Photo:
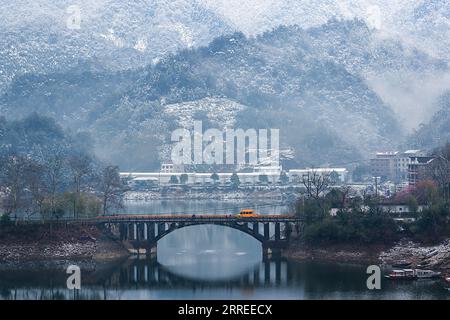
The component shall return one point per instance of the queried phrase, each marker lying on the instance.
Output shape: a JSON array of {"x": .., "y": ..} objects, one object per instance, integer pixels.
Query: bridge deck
[{"x": 195, "y": 218}]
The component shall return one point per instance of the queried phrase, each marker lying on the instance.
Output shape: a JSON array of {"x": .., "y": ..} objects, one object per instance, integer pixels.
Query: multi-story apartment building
[
  {"x": 402, "y": 163},
  {"x": 418, "y": 169},
  {"x": 394, "y": 165},
  {"x": 384, "y": 165}
]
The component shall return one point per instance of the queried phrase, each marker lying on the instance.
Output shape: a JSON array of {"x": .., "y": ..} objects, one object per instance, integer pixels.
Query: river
[{"x": 212, "y": 262}]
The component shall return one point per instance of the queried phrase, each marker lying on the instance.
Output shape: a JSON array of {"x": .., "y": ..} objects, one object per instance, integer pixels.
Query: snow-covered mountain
[
  {"x": 135, "y": 70},
  {"x": 40, "y": 36},
  {"x": 289, "y": 78},
  {"x": 422, "y": 23},
  {"x": 436, "y": 132},
  {"x": 115, "y": 35}
]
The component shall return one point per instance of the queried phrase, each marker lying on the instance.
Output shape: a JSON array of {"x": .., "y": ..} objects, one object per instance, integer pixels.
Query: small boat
[
  {"x": 413, "y": 274},
  {"x": 401, "y": 274},
  {"x": 426, "y": 274}
]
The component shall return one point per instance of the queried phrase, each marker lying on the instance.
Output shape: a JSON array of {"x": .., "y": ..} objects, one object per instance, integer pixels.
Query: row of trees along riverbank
[
  {"x": 361, "y": 219},
  {"x": 48, "y": 173}
]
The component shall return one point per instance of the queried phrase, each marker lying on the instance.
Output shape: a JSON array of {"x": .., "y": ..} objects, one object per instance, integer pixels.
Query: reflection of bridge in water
[
  {"x": 149, "y": 273},
  {"x": 144, "y": 231}
]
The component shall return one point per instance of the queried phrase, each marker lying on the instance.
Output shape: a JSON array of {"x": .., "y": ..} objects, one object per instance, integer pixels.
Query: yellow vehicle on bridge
[{"x": 247, "y": 213}]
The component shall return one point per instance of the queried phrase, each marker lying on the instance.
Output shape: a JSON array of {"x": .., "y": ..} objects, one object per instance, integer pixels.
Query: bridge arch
[{"x": 238, "y": 227}]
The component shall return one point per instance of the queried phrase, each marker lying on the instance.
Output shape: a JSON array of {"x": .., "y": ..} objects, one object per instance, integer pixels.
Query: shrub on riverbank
[
  {"x": 353, "y": 227},
  {"x": 5, "y": 220},
  {"x": 432, "y": 224},
  {"x": 37, "y": 233},
  {"x": 362, "y": 221}
]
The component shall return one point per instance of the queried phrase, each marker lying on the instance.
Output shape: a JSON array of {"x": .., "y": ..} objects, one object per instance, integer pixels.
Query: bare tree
[
  {"x": 439, "y": 171},
  {"x": 35, "y": 181},
  {"x": 315, "y": 183},
  {"x": 80, "y": 166},
  {"x": 345, "y": 194},
  {"x": 111, "y": 189},
  {"x": 52, "y": 158},
  {"x": 13, "y": 185}
]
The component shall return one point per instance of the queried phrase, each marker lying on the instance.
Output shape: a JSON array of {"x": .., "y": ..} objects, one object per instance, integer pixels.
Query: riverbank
[
  {"x": 45, "y": 246},
  {"x": 352, "y": 254},
  {"x": 436, "y": 257}
]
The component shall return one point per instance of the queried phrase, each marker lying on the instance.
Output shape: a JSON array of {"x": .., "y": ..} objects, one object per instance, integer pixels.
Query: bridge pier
[
  {"x": 161, "y": 227},
  {"x": 145, "y": 231},
  {"x": 256, "y": 228},
  {"x": 122, "y": 232},
  {"x": 266, "y": 231},
  {"x": 150, "y": 232},
  {"x": 277, "y": 231}
]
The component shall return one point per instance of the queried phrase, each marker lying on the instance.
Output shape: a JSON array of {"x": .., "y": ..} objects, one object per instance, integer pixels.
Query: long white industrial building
[{"x": 250, "y": 178}]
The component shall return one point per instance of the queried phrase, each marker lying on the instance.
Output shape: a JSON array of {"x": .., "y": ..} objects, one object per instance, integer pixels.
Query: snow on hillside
[
  {"x": 37, "y": 37},
  {"x": 220, "y": 112},
  {"x": 421, "y": 23}
]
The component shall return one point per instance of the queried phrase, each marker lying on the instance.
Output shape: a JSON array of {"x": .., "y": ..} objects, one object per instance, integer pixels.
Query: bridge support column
[
  {"x": 150, "y": 238},
  {"x": 277, "y": 231},
  {"x": 266, "y": 231},
  {"x": 145, "y": 231},
  {"x": 266, "y": 252},
  {"x": 134, "y": 231},
  {"x": 121, "y": 232},
  {"x": 287, "y": 230},
  {"x": 138, "y": 231},
  {"x": 150, "y": 232},
  {"x": 161, "y": 228},
  {"x": 256, "y": 228},
  {"x": 142, "y": 233},
  {"x": 126, "y": 231}
]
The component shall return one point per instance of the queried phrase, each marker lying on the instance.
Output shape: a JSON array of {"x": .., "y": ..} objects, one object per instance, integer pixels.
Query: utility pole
[{"x": 376, "y": 187}]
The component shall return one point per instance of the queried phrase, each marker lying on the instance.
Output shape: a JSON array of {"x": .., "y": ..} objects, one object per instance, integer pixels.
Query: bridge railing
[
  {"x": 24, "y": 221},
  {"x": 187, "y": 218},
  {"x": 156, "y": 218}
]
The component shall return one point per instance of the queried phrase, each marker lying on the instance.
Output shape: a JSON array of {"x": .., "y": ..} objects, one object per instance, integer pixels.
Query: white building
[
  {"x": 170, "y": 168},
  {"x": 399, "y": 212},
  {"x": 403, "y": 160},
  {"x": 272, "y": 173},
  {"x": 200, "y": 179}
]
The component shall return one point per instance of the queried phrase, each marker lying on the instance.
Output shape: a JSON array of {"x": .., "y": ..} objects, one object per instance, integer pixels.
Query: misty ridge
[{"x": 337, "y": 91}]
